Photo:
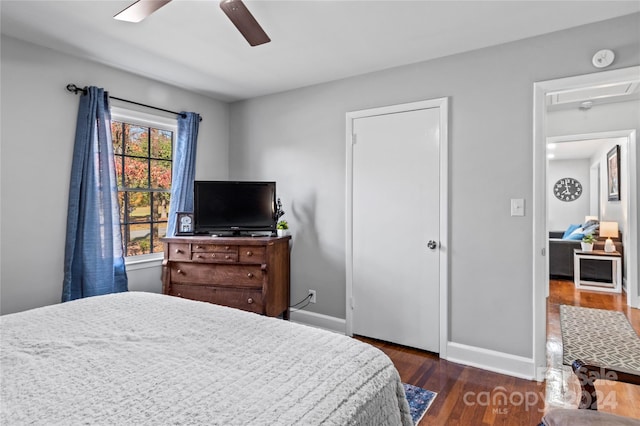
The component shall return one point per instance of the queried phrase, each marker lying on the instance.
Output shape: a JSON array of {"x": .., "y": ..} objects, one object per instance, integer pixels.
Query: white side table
[{"x": 615, "y": 286}]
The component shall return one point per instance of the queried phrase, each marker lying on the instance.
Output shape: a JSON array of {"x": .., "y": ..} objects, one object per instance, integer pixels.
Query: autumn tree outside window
[{"x": 143, "y": 156}]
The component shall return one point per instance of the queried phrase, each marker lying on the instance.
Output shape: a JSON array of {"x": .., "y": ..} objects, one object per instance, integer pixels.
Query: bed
[{"x": 150, "y": 359}]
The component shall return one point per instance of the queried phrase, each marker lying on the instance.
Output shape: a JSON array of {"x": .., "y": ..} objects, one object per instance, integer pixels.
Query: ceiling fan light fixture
[
  {"x": 244, "y": 21},
  {"x": 139, "y": 10}
]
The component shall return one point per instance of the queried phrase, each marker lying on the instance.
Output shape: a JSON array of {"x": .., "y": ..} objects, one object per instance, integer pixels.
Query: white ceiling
[
  {"x": 580, "y": 149},
  {"x": 192, "y": 44}
]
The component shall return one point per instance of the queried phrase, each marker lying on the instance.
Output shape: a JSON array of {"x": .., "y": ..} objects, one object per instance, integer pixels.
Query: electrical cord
[
  {"x": 302, "y": 307},
  {"x": 306, "y": 299}
]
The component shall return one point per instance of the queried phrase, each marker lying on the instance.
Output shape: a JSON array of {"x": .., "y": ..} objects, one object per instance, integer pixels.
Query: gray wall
[
  {"x": 38, "y": 128},
  {"x": 298, "y": 139}
]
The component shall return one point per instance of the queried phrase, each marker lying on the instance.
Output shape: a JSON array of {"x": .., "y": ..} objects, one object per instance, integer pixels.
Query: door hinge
[
  {"x": 354, "y": 139},
  {"x": 351, "y": 303},
  {"x": 544, "y": 251}
]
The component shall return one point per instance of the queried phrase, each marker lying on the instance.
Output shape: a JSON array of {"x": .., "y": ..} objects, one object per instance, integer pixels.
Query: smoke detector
[{"x": 586, "y": 105}]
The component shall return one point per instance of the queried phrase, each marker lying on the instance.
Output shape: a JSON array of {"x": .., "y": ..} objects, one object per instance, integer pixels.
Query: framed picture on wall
[{"x": 613, "y": 173}]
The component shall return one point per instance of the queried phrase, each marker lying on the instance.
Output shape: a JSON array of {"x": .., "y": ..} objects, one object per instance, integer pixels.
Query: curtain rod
[{"x": 75, "y": 89}]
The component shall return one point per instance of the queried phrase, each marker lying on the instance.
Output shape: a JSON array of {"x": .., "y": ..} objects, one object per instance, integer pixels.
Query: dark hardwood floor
[
  {"x": 562, "y": 385},
  {"x": 471, "y": 396}
]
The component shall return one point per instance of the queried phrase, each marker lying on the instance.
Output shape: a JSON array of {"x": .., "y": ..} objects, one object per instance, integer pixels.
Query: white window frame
[{"x": 149, "y": 260}]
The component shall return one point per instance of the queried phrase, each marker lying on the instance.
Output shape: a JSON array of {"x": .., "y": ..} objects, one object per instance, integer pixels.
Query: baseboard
[
  {"x": 337, "y": 325},
  {"x": 498, "y": 362}
]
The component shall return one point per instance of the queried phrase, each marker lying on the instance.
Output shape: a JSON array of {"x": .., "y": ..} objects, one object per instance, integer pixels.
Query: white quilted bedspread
[{"x": 148, "y": 359}]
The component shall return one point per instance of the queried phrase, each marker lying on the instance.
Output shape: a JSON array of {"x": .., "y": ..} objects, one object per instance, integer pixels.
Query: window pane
[
  {"x": 121, "y": 203},
  {"x": 159, "y": 231},
  {"x": 137, "y": 141},
  {"x": 161, "y": 206},
  {"x": 140, "y": 238},
  {"x": 128, "y": 236},
  {"x": 139, "y": 207},
  {"x": 125, "y": 240},
  {"x": 143, "y": 159},
  {"x": 116, "y": 136},
  {"x": 118, "y": 165},
  {"x": 161, "y": 144},
  {"x": 160, "y": 174},
  {"x": 136, "y": 172}
]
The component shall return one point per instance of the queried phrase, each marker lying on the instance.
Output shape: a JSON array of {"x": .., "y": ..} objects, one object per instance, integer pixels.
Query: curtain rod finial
[{"x": 75, "y": 89}]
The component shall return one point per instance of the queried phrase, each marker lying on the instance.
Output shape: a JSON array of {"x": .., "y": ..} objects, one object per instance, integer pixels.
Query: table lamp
[{"x": 609, "y": 229}]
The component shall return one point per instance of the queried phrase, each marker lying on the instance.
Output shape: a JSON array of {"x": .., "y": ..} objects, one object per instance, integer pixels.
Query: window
[{"x": 143, "y": 155}]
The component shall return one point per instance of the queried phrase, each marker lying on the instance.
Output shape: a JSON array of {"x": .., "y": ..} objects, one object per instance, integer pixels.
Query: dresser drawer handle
[
  {"x": 226, "y": 248},
  {"x": 179, "y": 271},
  {"x": 249, "y": 300},
  {"x": 249, "y": 253},
  {"x": 198, "y": 247},
  {"x": 213, "y": 255},
  {"x": 226, "y": 257},
  {"x": 250, "y": 275},
  {"x": 199, "y": 256},
  {"x": 179, "y": 251}
]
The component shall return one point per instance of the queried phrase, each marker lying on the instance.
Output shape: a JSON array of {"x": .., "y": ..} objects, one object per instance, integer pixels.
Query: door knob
[{"x": 432, "y": 244}]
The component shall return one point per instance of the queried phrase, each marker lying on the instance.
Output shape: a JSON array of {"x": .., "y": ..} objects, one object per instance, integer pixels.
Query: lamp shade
[
  {"x": 588, "y": 218},
  {"x": 609, "y": 229}
]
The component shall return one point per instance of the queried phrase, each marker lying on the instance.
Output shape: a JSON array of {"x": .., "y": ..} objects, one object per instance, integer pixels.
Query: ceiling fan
[{"x": 236, "y": 10}]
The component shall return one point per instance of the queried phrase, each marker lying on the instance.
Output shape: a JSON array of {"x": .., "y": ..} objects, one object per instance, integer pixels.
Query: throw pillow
[
  {"x": 569, "y": 230},
  {"x": 588, "y": 230},
  {"x": 590, "y": 223},
  {"x": 577, "y": 234}
]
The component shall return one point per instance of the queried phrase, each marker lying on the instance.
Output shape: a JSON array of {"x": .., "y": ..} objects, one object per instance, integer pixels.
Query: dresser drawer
[
  {"x": 248, "y": 300},
  {"x": 179, "y": 252},
  {"x": 251, "y": 254},
  {"x": 215, "y": 248},
  {"x": 217, "y": 274},
  {"x": 212, "y": 257}
]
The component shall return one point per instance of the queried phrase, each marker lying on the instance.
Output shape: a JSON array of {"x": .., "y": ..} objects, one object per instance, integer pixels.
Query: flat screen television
[{"x": 234, "y": 207}]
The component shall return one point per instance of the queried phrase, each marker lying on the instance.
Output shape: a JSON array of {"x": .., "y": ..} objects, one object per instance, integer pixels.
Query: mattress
[{"x": 150, "y": 359}]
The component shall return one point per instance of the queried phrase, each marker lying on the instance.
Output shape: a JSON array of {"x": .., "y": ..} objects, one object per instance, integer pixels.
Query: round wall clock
[{"x": 567, "y": 189}]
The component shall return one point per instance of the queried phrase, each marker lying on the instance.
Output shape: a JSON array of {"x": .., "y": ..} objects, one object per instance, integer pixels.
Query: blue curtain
[
  {"x": 93, "y": 259},
  {"x": 184, "y": 168}
]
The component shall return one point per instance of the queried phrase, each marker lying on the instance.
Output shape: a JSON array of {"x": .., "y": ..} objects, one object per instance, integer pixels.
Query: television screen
[{"x": 234, "y": 206}]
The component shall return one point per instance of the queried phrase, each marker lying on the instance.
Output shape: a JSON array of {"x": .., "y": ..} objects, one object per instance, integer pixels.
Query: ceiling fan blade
[
  {"x": 244, "y": 22},
  {"x": 140, "y": 10}
]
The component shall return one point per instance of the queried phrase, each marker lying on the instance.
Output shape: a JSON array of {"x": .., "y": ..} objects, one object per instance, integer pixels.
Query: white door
[{"x": 396, "y": 208}]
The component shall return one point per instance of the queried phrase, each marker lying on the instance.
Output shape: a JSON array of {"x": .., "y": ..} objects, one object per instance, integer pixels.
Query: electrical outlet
[{"x": 313, "y": 296}]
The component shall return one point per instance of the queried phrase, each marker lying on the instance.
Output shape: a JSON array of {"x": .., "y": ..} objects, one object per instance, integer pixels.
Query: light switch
[{"x": 517, "y": 207}]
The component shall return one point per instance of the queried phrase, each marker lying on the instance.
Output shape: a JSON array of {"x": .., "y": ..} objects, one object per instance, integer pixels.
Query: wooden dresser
[{"x": 249, "y": 273}]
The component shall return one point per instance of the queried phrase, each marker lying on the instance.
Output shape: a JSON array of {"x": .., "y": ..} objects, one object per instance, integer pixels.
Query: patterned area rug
[
  {"x": 419, "y": 401},
  {"x": 599, "y": 337}
]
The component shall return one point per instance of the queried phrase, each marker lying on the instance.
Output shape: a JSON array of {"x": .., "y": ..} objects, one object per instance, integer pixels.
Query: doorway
[
  {"x": 607, "y": 79},
  {"x": 397, "y": 232}
]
